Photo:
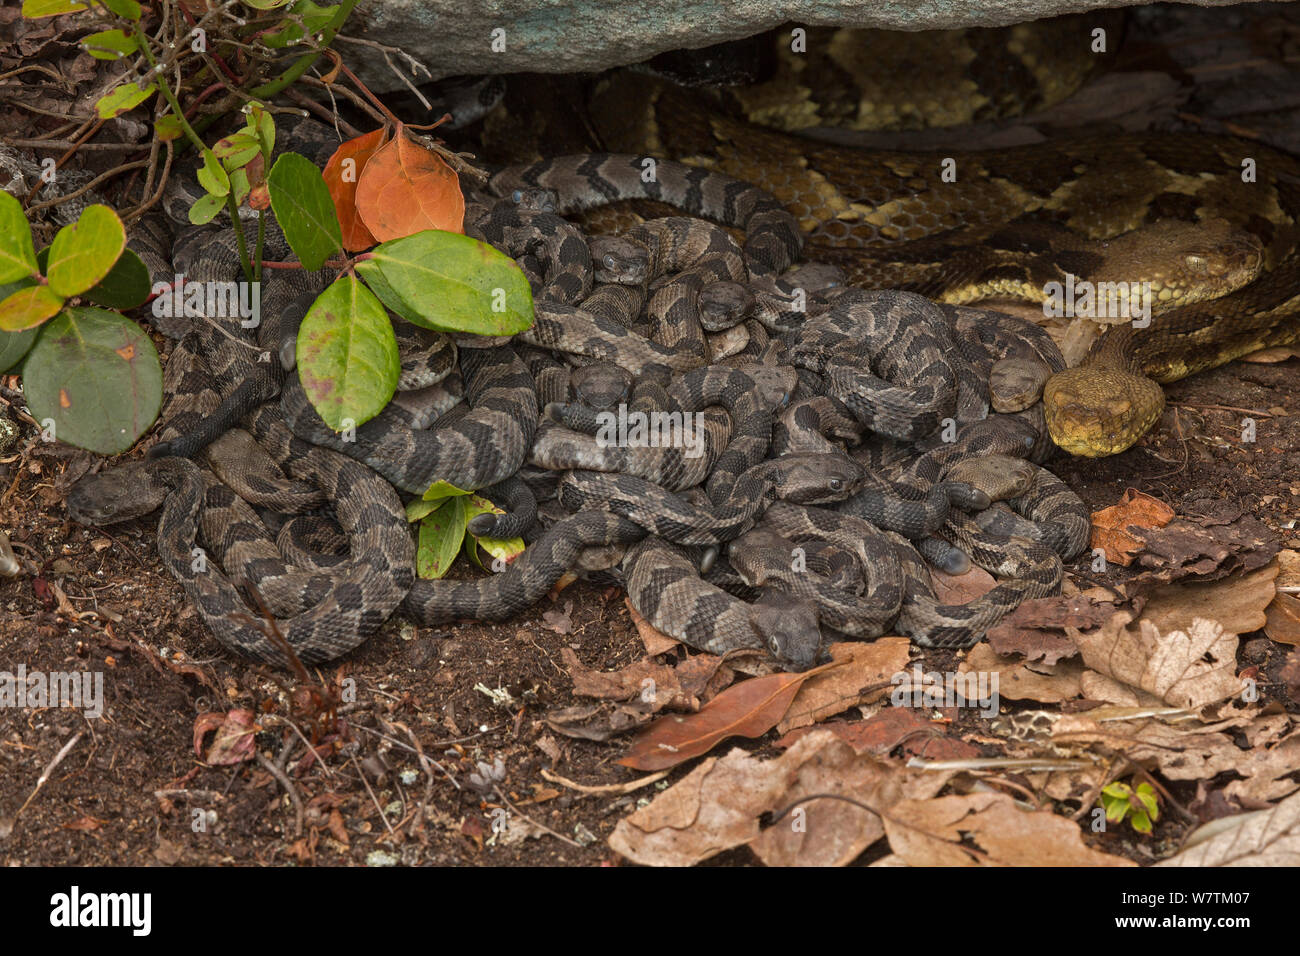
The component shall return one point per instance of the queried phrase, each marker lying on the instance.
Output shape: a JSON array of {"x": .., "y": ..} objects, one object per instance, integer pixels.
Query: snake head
[
  {"x": 789, "y": 629},
  {"x": 723, "y": 303},
  {"x": 620, "y": 260},
  {"x": 810, "y": 478},
  {"x": 127, "y": 491}
]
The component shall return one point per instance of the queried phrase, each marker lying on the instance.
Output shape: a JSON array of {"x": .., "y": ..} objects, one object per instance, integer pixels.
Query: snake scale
[{"x": 821, "y": 430}]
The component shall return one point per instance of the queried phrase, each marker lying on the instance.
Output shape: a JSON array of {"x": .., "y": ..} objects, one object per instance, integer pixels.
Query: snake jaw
[{"x": 1094, "y": 412}]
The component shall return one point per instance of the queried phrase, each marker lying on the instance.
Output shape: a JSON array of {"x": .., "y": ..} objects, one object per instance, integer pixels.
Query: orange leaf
[
  {"x": 1112, "y": 528},
  {"x": 342, "y": 176},
  {"x": 749, "y": 709},
  {"x": 406, "y": 189}
]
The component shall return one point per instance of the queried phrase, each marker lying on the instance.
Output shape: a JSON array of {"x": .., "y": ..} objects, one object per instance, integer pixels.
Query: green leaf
[
  {"x": 28, "y": 308},
  {"x": 123, "y": 8},
  {"x": 212, "y": 177},
  {"x": 1141, "y": 823},
  {"x": 316, "y": 18},
  {"x": 51, "y": 8},
  {"x": 110, "y": 44},
  {"x": 205, "y": 208},
  {"x": 392, "y": 301},
  {"x": 126, "y": 285},
  {"x": 441, "y": 534},
  {"x": 1147, "y": 795},
  {"x": 96, "y": 374},
  {"x": 236, "y": 150},
  {"x": 303, "y": 206},
  {"x": 13, "y": 346},
  {"x": 453, "y": 283},
  {"x": 263, "y": 123},
  {"x": 84, "y": 252},
  {"x": 120, "y": 99},
  {"x": 17, "y": 254},
  {"x": 441, "y": 489},
  {"x": 267, "y": 4},
  {"x": 239, "y": 185},
  {"x": 168, "y": 127},
  {"x": 347, "y": 355}
]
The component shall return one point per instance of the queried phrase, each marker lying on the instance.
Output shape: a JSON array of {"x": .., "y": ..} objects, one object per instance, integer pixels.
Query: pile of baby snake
[{"x": 839, "y": 439}]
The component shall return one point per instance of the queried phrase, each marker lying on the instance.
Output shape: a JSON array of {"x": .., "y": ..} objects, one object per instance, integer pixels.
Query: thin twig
[
  {"x": 609, "y": 789},
  {"x": 283, "y": 779},
  {"x": 49, "y": 769}
]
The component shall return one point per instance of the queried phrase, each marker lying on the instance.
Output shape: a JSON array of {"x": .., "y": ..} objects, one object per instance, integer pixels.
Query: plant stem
[{"x": 305, "y": 63}]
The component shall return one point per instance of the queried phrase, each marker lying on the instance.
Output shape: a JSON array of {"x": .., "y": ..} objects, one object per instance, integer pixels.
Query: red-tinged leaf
[
  {"x": 342, "y": 174},
  {"x": 233, "y": 742},
  {"x": 748, "y": 709},
  {"x": 259, "y": 197},
  {"x": 406, "y": 189},
  {"x": 85, "y": 823}
]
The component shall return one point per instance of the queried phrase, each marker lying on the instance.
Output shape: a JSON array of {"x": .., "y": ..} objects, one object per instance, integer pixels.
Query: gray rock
[{"x": 567, "y": 36}]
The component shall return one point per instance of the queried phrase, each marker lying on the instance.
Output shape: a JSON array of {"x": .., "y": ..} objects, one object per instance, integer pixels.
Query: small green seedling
[{"x": 1140, "y": 805}]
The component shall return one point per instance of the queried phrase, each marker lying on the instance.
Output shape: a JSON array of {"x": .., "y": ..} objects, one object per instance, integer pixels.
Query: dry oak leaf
[
  {"x": 1269, "y": 773},
  {"x": 1113, "y": 527},
  {"x": 893, "y": 726},
  {"x": 655, "y": 685},
  {"x": 1019, "y": 680},
  {"x": 986, "y": 829},
  {"x": 1263, "y": 838},
  {"x": 1189, "y": 668},
  {"x": 1237, "y": 602},
  {"x": 1036, "y": 629},
  {"x": 405, "y": 189},
  {"x": 866, "y": 665},
  {"x": 719, "y": 804}
]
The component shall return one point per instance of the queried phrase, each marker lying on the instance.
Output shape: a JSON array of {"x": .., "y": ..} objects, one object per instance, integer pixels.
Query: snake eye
[
  {"x": 837, "y": 484},
  {"x": 1195, "y": 263},
  {"x": 608, "y": 261},
  {"x": 517, "y": 196}
]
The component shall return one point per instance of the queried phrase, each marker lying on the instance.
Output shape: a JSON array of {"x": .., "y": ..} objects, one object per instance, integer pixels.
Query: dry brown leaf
[
  {"x": 718, "y": 806},
  {"x": 890, "y": 728},
  {"x": 1183, "y": 668},
  {"x": 1282, "y": 619},
  {"x": 961, "y": 588},
  {"x": 1237, "y": 603},
  {"x": 1289, "y": 575},
  {"x": 1209, "y": 548},
  {"x": 986, "y": 829},
  {"x": 748, "y": 709},
  {"x": 1019, "y": 681},
  {"x": 1269, "y": 773},
  {"x": 1036, "y": 629},
  {"x": 864, "y": 665},
  {"x": 655, "y": 640},
  {"x": 654, "y": 685},
  {"x": 1113, "y": 528},
  {"x": 1264, "y": 838}
]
